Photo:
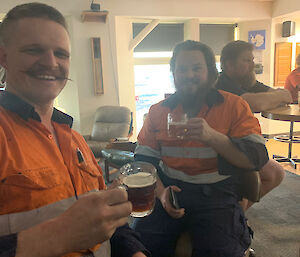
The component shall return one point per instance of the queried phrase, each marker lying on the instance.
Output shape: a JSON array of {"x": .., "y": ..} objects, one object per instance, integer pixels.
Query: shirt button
[{"x": 50, "y": 136}]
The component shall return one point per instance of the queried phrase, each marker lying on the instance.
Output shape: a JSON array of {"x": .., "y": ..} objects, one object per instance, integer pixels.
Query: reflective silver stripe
[
  {"x": 15, "y": 222},
  {"x": 147, "y": 150},
  {"x": 189, "y": 152},
  {"x": 255, "y": 138},
  {"x": 209, "y": 178}
]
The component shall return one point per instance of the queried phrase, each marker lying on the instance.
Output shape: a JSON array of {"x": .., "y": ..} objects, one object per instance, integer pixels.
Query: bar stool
[{"x": 290, "y": 139}]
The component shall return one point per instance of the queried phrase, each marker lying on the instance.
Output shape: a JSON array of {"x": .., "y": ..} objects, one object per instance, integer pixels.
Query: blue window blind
[
  {"x": 162, "y": 38},
  {"x": 216, "y": 35}
]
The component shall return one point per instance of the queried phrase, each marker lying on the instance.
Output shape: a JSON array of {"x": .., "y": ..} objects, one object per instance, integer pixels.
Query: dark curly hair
[
  {"x": 232, "y": 51},
  {"x": 190, "y": 45}
]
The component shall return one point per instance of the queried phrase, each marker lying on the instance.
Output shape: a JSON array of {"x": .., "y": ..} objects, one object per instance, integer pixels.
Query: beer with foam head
[
  {"x": 141, "y": 193},
  {"x": 139, "y": 179}
]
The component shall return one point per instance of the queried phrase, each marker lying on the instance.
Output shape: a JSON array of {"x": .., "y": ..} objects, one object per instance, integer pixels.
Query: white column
[{"x": 192, "y": 30}]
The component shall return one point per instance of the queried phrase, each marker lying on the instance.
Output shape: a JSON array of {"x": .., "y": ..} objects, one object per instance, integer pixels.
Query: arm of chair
[
  {"x": 250, "y": 186},
  {"x": 123, "y": 146}
]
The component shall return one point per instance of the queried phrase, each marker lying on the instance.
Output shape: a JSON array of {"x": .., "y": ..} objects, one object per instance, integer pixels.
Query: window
[
  {"x": 216, "y": 35},
  {"x": 153, "y": 78},
  {"x": 152, "y": 82},
  {"x": 162, "y": 38}
]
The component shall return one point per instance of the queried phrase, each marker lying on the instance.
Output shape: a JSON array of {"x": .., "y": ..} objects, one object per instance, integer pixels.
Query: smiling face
[
  {"x": 190, "y": 73},
  {"x": 36, "y": 59}
]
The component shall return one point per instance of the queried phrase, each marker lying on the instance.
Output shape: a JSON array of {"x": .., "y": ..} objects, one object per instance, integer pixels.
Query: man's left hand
[{"x": 139, "y": 254}]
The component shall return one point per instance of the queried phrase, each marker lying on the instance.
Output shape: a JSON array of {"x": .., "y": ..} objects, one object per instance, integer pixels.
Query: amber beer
[
  {"x": 174, "y": 120},
  {"x": 141, "y": 192},
  {"x": 173, "y": 130}
]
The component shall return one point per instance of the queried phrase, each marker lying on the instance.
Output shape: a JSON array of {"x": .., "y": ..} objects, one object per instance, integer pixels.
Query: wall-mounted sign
[
  {"x": 97, "y": 65},
  {"x": 257, "y": 38}
]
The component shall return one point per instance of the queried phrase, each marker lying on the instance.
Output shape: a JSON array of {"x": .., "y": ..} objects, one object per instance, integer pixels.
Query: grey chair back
[{"x": 111, "y": 122}]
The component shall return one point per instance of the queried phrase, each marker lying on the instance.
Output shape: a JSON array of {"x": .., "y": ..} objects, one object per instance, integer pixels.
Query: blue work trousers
[{"x": 213, "y": 217}]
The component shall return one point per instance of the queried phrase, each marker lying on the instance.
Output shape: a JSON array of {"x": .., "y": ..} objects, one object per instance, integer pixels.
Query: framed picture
[
  {"x": 257, "y": 38},
  {"x": 97, "y": 65}
]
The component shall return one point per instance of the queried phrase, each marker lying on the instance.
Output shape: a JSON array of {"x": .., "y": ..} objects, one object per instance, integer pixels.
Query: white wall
[
  {"x": 189, "y": 8},
  {"x": 78, "y": 97},
  {"x": 283, "y": 7},
  {"x": 269, "y": 126},
  {"x": 259, "y": 25}
]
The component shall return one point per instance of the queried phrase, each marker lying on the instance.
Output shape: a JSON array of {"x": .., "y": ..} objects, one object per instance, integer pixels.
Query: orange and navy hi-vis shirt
[
  {"x": 293, "y": 80},
  {"x": 36, "y": 176},
  {"x": 192, "y": 161}
]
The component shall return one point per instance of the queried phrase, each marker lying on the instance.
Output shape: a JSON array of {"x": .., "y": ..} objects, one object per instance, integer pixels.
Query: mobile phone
[{"x": 173, "y": 198}]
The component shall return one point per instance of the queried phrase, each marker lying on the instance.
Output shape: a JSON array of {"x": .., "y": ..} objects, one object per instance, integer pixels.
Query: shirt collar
[{"x": 15, "y": 104}]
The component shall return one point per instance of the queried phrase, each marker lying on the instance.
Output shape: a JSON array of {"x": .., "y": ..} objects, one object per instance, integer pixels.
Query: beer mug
[
  {"x": 139, "y": 179},
  {"x": 175, "y": 119}
]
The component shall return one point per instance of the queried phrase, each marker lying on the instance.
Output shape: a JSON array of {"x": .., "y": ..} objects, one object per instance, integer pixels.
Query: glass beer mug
[
  {"x": 175, "y": 119},
  {"x": 139, "y": 179}
]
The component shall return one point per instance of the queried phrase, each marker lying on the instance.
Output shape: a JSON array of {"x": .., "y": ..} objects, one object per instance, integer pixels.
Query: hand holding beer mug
[
  {"x": 139, "y": 179},
  {"x": 175, "y": 120}
]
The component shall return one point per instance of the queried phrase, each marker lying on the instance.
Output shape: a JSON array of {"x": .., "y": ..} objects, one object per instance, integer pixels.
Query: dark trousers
[{"x": 213, "y": 217}]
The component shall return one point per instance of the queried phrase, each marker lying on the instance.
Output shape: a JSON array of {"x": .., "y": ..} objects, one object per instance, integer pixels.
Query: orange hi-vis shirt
[
  {"x": 34, "y": 172},
  {"x": 293, "y": 80},
  {"x": 231, "y": 117}
]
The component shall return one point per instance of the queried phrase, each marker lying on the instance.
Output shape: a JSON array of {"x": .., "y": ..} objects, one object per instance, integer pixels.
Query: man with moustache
[
  {"x": 220, "y": 141},
  {"x": 238, "y": 77},
  {"x": 52, "y": 197}
]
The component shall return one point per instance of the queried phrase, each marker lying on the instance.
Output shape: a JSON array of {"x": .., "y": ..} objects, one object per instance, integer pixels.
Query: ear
[{"x": 3, "y": 57}]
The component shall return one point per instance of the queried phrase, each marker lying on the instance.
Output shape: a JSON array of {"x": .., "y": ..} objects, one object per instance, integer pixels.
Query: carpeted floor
[{"x": 276, "y": 220}]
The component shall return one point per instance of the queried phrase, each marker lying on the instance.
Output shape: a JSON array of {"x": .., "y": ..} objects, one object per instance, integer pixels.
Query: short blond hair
[{"x": 28, "y": 10}]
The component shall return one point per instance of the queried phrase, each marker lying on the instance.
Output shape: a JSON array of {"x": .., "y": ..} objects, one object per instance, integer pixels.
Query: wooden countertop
[{"x": 285, "y": 113}]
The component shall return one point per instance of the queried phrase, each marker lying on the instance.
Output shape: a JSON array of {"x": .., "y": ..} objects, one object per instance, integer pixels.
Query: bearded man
[
  {"x": 238, "y": 77},
  {"x": 220, "y": 140}
]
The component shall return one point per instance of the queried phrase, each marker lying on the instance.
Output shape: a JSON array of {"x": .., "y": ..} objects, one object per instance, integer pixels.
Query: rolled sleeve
[
  {"x": 125, "y": 242},
  {"x": 256, "y": 153}
]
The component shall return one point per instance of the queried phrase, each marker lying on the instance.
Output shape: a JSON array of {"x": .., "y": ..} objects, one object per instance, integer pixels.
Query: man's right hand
[
  {"x": 91, "y": 220},
  {"x": 286, "y": 96}
]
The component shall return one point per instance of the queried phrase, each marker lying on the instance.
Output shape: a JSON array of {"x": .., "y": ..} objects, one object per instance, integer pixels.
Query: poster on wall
[{"x": 257, "y": 38}]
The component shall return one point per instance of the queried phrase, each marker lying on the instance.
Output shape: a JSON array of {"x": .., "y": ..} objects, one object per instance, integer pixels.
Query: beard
[
  {"x": 248, "y": 80},
  {"x": 190, "y": 98}
]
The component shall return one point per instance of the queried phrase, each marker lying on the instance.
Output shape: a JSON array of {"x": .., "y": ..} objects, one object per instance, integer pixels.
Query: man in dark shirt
[{"x": 238, "y": 77}]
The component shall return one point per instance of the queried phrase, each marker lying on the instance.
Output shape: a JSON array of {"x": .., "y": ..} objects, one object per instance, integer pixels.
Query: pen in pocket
[{"x": 79, "y": 156}]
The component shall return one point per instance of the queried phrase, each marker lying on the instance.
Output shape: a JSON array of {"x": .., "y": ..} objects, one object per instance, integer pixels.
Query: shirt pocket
[
  {"x": 27, "y": 189},
  {"x": 39, "y": 178},
  {"x": 89, "y": 168},
  {"x": 90, "y": 175}
]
